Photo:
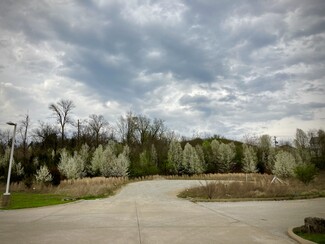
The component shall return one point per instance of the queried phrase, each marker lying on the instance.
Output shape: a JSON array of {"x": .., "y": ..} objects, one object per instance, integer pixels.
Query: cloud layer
[{"x": 217, "y": 67}]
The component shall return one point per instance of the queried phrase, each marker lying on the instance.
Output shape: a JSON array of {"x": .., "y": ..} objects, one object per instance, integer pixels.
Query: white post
[{"x": 11, "y": 158}]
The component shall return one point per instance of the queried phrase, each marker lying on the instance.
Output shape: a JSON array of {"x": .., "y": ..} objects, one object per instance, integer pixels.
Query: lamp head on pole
[{"x": 11, "y": 123}]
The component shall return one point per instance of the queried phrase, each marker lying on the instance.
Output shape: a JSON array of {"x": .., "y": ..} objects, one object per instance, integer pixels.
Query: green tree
[
  {"x": 301, "y": 143},
  {"x": 265, "y": 154}
]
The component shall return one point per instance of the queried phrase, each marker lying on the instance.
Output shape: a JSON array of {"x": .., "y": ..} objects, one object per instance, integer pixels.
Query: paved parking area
[{"x": 150, "y": 212}]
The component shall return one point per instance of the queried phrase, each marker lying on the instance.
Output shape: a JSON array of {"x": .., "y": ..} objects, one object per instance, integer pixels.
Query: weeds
[
  {"x": 213, "y": 186},
  {"x": 79, "y": 188},
  {"x": 259, "y": 187}
]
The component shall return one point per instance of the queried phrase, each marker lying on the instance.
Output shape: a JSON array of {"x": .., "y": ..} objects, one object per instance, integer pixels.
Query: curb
[{"x": 298, "y": 238}]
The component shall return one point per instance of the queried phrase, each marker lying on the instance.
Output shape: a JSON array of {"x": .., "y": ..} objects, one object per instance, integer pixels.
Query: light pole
[{"x": 6, "y": 195}]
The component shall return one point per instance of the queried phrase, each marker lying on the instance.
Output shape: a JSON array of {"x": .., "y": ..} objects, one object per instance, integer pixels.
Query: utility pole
[{"x": 78, "y": 132}]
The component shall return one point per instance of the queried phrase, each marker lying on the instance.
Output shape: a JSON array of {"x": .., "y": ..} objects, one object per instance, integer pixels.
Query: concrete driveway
[{"x": 150, "y": 212}]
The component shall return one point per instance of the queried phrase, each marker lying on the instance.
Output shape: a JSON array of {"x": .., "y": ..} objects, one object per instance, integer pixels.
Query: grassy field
[
  {"x": 317, "y": 238},
  {"x": 256, "y": 187},
  {"x": 31, "y": 200}
]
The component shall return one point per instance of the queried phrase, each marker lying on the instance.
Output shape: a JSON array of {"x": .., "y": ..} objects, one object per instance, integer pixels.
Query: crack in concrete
[{"x": 138, "y": 222}]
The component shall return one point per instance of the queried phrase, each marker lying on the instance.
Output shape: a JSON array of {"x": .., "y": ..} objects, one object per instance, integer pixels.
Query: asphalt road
[{"x": 150, "y": 212}]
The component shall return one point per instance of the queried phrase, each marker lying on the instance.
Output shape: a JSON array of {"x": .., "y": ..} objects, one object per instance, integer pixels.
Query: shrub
[{"x": 305, "y": 173}]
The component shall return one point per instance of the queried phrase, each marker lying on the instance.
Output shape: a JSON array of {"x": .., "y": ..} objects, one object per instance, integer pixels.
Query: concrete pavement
[{"x": 150, "y": 212}]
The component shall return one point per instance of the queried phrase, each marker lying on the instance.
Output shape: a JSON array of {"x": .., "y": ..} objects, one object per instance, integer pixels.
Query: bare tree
[
  {"x": 62, "y": 110},
  {"x": 126, "y": 128},
  {"x": 23, "y": 130},
  {"x": 46, "y": 134},
  {"x": 142, "y": 127},
  {"x": 96, "y": 124}
]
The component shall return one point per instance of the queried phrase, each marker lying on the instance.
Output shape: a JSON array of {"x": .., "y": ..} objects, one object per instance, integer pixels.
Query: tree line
[{"x": 138, "y": 146}]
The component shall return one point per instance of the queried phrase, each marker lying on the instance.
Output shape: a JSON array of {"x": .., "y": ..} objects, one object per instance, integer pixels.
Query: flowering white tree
[
  {"x": 284, "y": 164},
  {"x": 98, "y": 160},
  {"x": 4, "y": 159},
  {"x": 106, "y": 163},
  {"x": 124, "y": 161},
  {"x": 120, "y": 165},
  {"x": 73, "y": 167},
  {"x": 43, "y": 175},
  {"x": 200, "y": 153},
  {"x": 17, "y": 168},
  {"x": 266, "y": 151},
  {"x": 85, "y": 156},
  {"x": 215, "y": 150},
  {"x": 175, "y": 155},
  {"x": 249, "y": 159},
  {"x": 226, "y": 155},
  {"x": 191, "y": 162}
]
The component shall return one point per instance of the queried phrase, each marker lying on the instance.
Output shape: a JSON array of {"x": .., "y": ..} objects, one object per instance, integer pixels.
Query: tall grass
[
  {"x": 213, "y": 186},
  {"x": 90, "y": 187},
  {"x": 79, "y": 188},
  {"x": 258, "y": 187},
  {"x": 253, "y": 177}
]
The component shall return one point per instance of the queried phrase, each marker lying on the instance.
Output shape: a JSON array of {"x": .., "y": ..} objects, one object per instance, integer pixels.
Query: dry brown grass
[
  {"x": 257, "y": 187},
  {"x": 223, "y": 177},
  {"x": 90, "y": 187},
  {"x": 213, "y": 186},
  {"x": 79, "y": 188}
]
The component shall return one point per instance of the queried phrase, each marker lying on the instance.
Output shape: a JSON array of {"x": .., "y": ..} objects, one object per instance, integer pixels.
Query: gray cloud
[{"x": 225, "y": 66}]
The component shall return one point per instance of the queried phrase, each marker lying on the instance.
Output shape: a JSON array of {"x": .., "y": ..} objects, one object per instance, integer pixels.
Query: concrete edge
[{"x": 298, "y": 238}]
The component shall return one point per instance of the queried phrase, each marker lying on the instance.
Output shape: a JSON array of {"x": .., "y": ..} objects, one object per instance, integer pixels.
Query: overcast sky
[{"x": 218, "y": 67}]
